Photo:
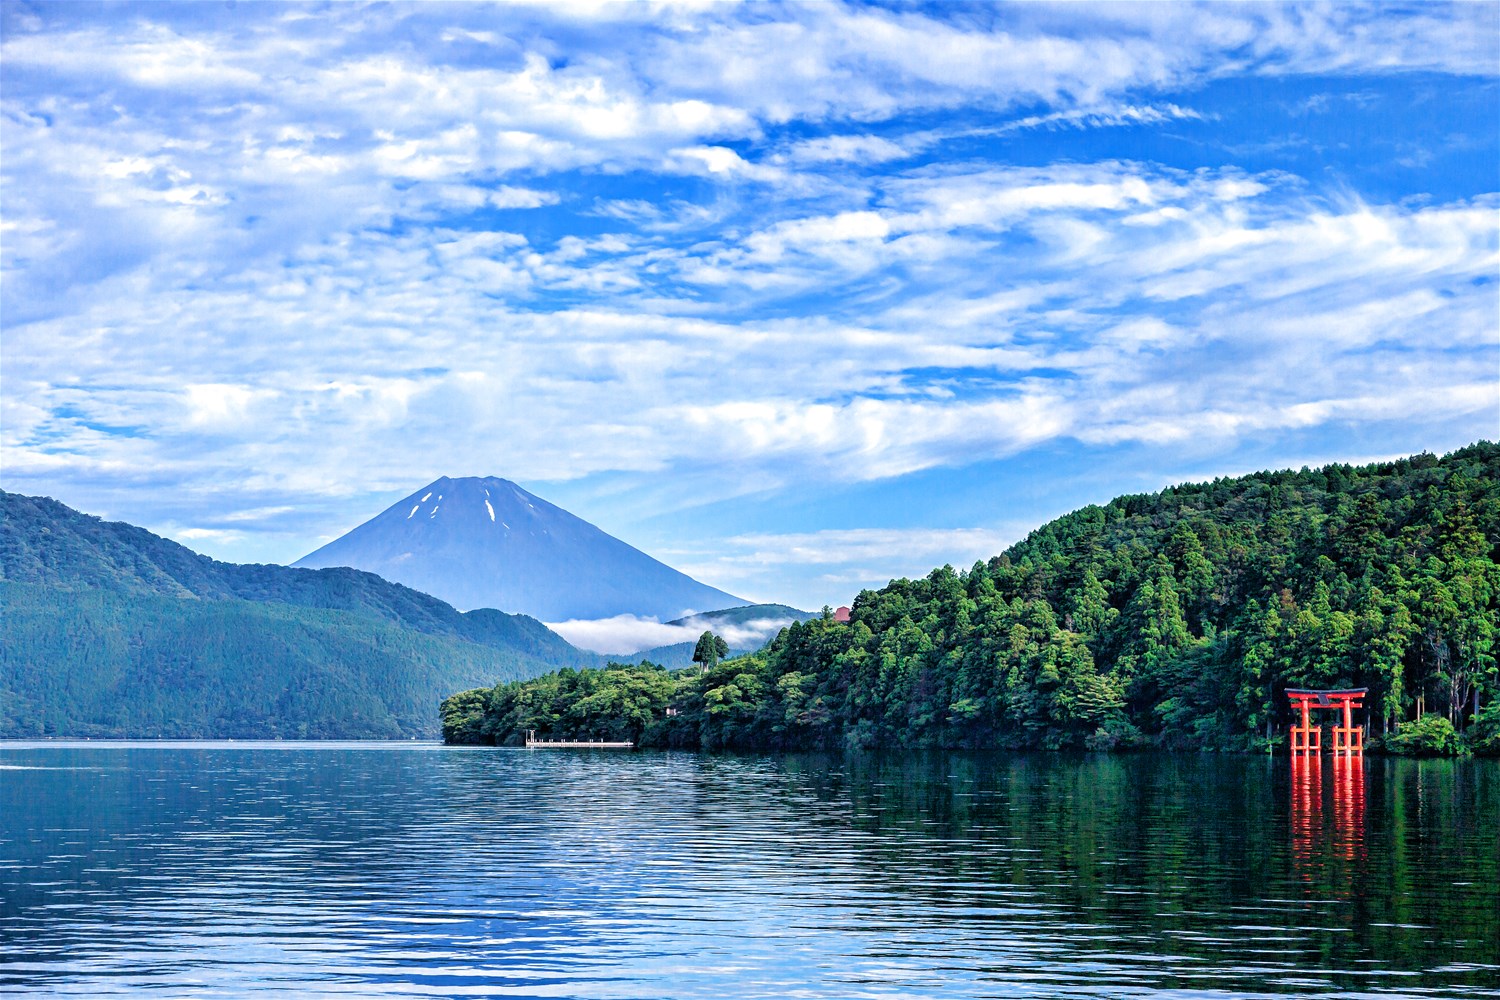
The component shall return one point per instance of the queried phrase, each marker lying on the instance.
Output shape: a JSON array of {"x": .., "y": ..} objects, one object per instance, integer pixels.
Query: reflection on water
[
  {"x": 419, "y": 871},
  {"x": 1331, "y": 838},
  {"x": 1349, "y": 808},
  {"x": 1307, "y": 809}
]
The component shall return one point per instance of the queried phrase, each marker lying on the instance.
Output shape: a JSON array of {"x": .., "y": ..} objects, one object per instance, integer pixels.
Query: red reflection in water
[
  {"x": 1336, "y": 836},
  {"x": 1348, "y": 839},
  {"x": 1307, "y": 808}
]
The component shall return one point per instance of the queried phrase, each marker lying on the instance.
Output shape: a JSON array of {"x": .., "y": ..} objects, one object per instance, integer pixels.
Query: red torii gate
[{"x": 1308, "y": 739}]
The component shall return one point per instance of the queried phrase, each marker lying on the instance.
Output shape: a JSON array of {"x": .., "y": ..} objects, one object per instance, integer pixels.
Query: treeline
[{"x": 1173, "y": 620}]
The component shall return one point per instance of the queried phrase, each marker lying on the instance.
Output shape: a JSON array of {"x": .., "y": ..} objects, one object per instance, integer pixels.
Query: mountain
[
  {"x": 110, "y": 630},
  {"x": 487, "y": 543},
  {"x": 745, "y": 630}
]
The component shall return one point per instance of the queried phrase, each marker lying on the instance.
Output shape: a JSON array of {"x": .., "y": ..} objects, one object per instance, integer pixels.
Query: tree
[
  {"x": 463, "y": 714},
  {"x": 709, "y": 651}
]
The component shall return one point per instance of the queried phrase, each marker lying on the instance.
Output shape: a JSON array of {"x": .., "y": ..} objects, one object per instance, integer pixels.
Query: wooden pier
[{"x": 532, "y": 743}]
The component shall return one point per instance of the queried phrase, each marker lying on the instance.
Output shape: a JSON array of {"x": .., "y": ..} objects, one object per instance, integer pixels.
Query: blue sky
[{"x": 796, "y": 297}]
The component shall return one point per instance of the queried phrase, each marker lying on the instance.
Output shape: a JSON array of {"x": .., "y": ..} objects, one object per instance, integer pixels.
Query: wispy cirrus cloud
[
  {"x": 843, "y": 561},
  {"x": 892, "y": 388}
]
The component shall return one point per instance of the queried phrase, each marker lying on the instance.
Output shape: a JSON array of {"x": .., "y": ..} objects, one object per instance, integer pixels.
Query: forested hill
[
  {"x": 1174, "y": 619},
  {"x": 109, "y": 630},
  {"x": 47, "y": 543}
]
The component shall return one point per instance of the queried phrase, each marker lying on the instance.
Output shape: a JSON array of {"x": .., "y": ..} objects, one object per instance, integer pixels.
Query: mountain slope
[
  {"x": 102, "y": 663},
  {"x": 46, "y": 543},
  {"x": 487, "y": 543},
  {"x": 109, "y": 630}
]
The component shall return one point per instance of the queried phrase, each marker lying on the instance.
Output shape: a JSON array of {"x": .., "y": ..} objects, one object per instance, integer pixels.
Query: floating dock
[{"x": 532, "y": 743}]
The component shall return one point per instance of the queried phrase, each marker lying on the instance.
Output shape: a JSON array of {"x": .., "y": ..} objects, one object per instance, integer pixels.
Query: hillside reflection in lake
[{"x": 404, "y": 870}]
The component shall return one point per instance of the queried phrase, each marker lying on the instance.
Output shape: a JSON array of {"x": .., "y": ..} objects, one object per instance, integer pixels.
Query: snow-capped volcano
[{"x": 487, "y": 543}]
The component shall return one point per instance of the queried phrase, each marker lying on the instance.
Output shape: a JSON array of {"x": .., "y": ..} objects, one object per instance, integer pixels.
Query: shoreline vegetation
[{"x": 1173, "y": 620}]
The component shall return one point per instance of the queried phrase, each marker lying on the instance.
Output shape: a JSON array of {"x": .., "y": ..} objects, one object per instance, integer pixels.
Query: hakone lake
[{"x": 414, "y": 870}]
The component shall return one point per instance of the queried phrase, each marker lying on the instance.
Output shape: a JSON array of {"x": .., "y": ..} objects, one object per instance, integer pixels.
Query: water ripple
[{"x": 419, "y": 871}]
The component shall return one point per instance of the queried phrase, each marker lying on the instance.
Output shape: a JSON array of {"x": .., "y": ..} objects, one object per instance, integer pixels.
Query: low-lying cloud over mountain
[{"x": 742, "y": 628}]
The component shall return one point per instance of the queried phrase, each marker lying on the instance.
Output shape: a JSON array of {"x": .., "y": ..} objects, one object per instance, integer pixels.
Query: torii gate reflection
[{"x": 1311, "y": 835}]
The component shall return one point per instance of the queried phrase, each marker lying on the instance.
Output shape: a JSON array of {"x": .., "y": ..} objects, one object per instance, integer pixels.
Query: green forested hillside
[
  {"x": 101, "y": 663},
  {"x": 1175, "y": 619},
  {"x": 47, "y": 543},
  {"x": 109, "y": 630}
]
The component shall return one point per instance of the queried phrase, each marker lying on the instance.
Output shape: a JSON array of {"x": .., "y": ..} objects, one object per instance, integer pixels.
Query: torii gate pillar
[{"x": 1348, "y": 739}]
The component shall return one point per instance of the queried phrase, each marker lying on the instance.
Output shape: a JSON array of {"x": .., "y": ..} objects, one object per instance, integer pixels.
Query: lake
[{"x": 414, "y": 870}]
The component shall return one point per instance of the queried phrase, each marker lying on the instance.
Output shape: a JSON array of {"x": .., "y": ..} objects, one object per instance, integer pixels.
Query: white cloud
[
  {"x": 846, "y": 149},
  {"x": 879, "y": 438},
  {"x": 196, "y": 535},
  {"x": 831, "y": 566},
  {"x": 719, "y": 162},
  {"x": 1104, "y": 116},
  {"x": 820, "y": 61},
  {"x": 620, "y": 634},
  {"x": 924, "y": 547},
  {"x": 627, "y": 634},
  {"x": 342, "y": 339},
  {"x": 220, "y": 406}
]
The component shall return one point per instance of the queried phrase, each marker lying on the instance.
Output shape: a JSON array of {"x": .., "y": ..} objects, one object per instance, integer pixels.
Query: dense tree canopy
[{"x": 1175, "y": 619}]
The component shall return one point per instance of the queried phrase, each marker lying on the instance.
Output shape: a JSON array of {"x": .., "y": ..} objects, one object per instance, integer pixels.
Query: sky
[{"x": 797, "y": 298}]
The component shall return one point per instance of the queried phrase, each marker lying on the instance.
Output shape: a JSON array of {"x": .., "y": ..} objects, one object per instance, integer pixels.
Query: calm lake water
[{"x": 221, "y": 870}]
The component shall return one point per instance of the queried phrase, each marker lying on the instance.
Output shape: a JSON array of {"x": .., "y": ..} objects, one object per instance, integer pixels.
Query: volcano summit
[{"x": 487, "y": 543}]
